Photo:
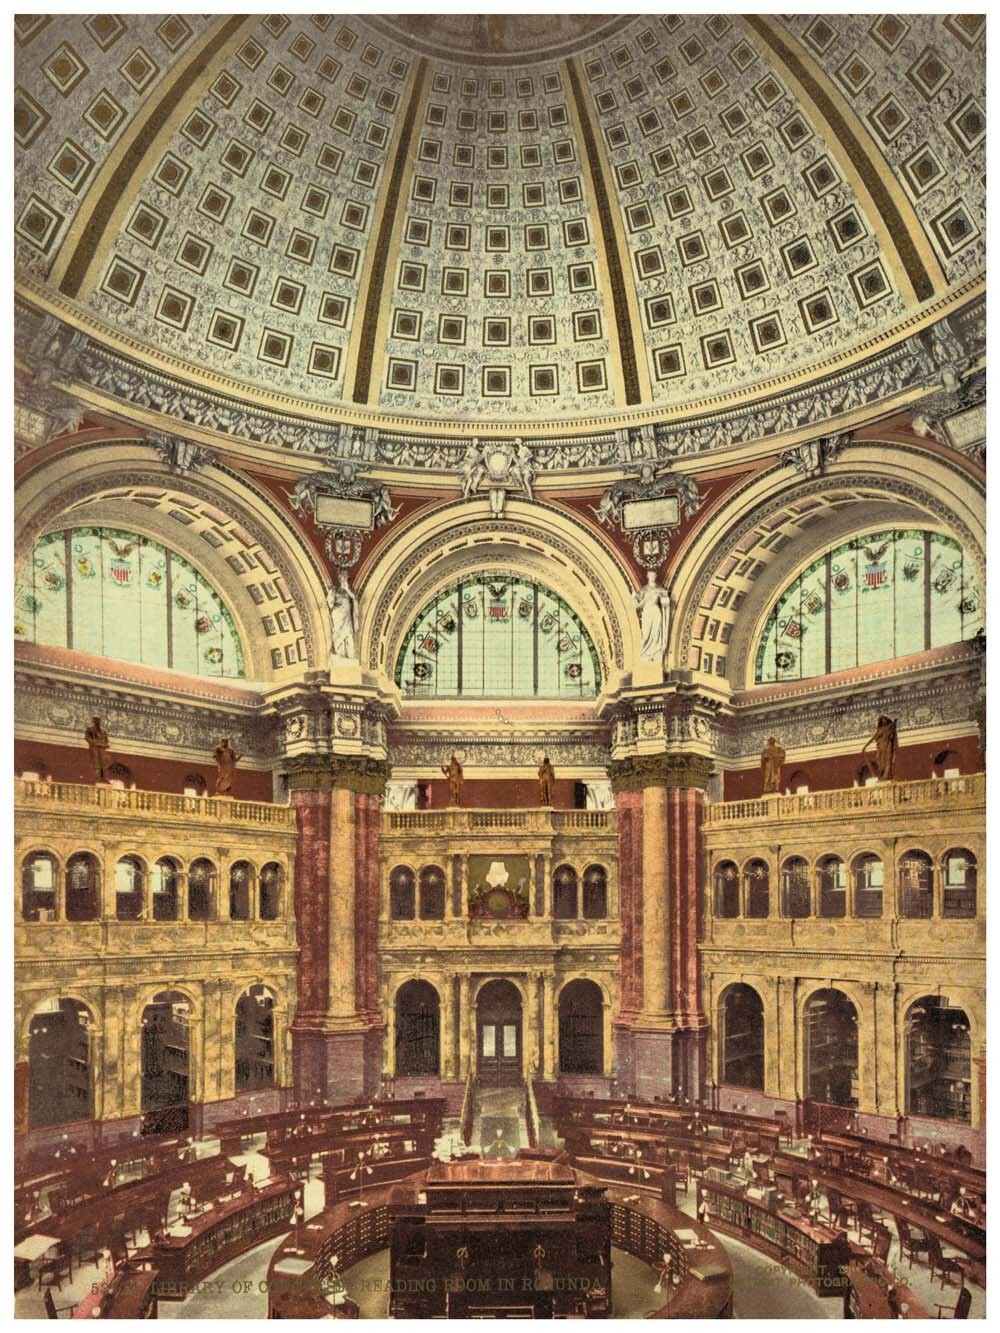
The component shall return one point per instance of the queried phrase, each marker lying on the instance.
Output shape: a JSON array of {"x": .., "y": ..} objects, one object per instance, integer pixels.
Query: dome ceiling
[{"x": 552, "y": 217}]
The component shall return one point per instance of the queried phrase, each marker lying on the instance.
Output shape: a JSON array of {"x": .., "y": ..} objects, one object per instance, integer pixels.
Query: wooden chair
[
  {"x": 946, "y": 1266},
  {"x": 51, "y": 1272},
  {"x": 960, "y": 1309},
  {"x": 867, "y": 1225},
  {"x": 881, "y": 1244},
  {"x": 53, "y": 1311},
  {"x": 86, "y": 1246},
  {"x": 909, "y": 1245}
]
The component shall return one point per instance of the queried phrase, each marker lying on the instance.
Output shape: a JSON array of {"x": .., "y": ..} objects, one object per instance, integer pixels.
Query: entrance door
[{"x": 498, "y": 1034}]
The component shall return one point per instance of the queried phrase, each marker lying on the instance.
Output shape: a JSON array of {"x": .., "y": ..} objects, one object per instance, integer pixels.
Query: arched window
[
  {"x": 758, "y": 887},
  {"x": 195, "y": 785},
  {"x": 59, "y": 1075},
  {"x": 130, "y": 883},
  {"x": 726, "y": 882},
  {"x": 83, "y": 880},
  {"x": 120, "y": 776},
  {"x": 165, "y": 1061},
  {"x": 164, "y": 885},
  {"x": 798, "y": 783},
  {"x": 402, "y": 894},
  {"x": 875, "y": 597},
  {"x": 240, "y": 886},
  {"x": 564, "y": 894},
  {"x": 595, "y": 893},
  {"x": 269, "y": 890},
  {"x": 946, "y": 764},
  {"x": 938, "y": 1060},
  {"x": 741, "y": 1060},
  {"x": 417, "y": 1028},
  {"x": 958, "y": 897},
  {"x": 832, "y": 887},
  {"x": 254, "y": 1040},
  {"x": 795, "y": 895},
  {"x": 832, "y": 1048},
  {"x": 498, "y": 636},
  {"x": 38, "y": 887},
  {"x": 916, "y": 886},
  {"x": 869, "y": 875},
  {"x": 119, "y": 594},
  {"x": 581, "y": 1028},
  {"x": 201, "y": 882},
  {"x": 431, "y": 893}
]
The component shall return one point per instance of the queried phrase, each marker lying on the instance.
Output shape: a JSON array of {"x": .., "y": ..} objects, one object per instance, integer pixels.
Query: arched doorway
[
  {"x": 58, "y": 1064},
  {"x": 741, "y": 1054},
  {"x": 253, "y": 1044},
  {"x": 165, "y": 1062},
  {"x": 938, "y": 1060},
  {"x": 832, "y": 1048},
  {"x": 498, "y": 1033},
  {"x": 581, "y": 1028},
  {"x": 418, "y": 1028}
]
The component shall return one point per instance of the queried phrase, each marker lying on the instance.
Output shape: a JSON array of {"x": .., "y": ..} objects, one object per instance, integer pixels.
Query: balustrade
[
  {"x": 881, "y": 798},
  {"x": 36, "y": 795}
]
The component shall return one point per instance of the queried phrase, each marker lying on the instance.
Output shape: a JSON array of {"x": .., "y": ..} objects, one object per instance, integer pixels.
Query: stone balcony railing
[
  {"x": 542, "y": 821},
  {"x": 163, "y": 806},
  {"x": 966, "y": 793}
]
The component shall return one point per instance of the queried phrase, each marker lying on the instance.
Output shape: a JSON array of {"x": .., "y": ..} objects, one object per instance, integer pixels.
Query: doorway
[{"x": 498, "y": 1034}]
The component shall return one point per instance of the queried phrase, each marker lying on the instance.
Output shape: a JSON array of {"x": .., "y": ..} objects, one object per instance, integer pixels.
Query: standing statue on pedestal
[
  {"x": 771, "y": 758},
  {"x": 884, "y": 741},
  {"x": 455, "y": 778},
  {"x": 98, "y": 743},
  {"x": 653, "y": 605},
  {"x": 226, "y": 760},
  {"x": 344, "y": 621},
  {"x": 546, "y": 782}
]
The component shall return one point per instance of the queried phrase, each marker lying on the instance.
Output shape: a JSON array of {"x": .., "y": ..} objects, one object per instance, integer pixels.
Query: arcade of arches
[{"x": 638, "y": 546}]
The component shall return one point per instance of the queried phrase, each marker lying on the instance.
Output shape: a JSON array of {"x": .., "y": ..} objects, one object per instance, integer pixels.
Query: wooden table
[
  {"x": 130, "y": 1294},
  {"x": 868, "y": 1297}
]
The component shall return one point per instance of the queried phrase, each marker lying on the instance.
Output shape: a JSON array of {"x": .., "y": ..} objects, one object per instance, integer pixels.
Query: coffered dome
[{"x": 502, "y": 219}]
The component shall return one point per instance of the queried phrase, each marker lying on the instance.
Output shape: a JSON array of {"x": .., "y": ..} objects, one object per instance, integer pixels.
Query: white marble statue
[
  {"x": 344, "y": 621},
  {"x": 653, "y": 605}
]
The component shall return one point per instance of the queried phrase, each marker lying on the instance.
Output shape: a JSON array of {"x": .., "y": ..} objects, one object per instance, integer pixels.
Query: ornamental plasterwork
[
  {"x": 520, "y": 749},
  {"x": 62, "y": 707},
  {"x": 904, "y": 366},
  {"x": 944, "y": 698}
]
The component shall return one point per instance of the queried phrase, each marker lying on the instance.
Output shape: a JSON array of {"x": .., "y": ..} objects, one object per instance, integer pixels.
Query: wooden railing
[
  {"x": 459, "y": 820},
  {"x": 964, "y": 792},
  {"x": 33, "y": 794}
]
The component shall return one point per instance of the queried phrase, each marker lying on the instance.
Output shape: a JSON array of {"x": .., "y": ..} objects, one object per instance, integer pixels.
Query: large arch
[
  {"x": 119, "y": 482},
  {"x": 869, "y": 485},
  {"x": 542, "y": 542}
]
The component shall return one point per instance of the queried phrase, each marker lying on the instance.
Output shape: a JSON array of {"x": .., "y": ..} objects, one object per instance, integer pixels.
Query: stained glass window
[
  {"x": 878, "y": 596},
  {"x": 118, "y": 594},
  {"x": 498, "y": 636}
]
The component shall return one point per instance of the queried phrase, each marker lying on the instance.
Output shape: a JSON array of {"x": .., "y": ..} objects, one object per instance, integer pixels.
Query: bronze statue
[
  {"x": 98, "y": 743},
  {"x": 226, "y": 760},
  {"x": 771, "y": 758},
  {"x": 455, "y": 778},
  {"x": 546, "y": 782},
  {"x": 884, "y": 741}
]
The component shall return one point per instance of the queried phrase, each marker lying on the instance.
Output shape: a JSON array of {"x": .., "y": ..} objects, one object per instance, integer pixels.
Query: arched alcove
[
  {"x": 59, "y": 1071},
  {"x": 741, "y": 1037},
  {"x": 418, "y": 1029},
  {"x": 581, "y": 1028},
  {"x": 499, "y": 1036}
]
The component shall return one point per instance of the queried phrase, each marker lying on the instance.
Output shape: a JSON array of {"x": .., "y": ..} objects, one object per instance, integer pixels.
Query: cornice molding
[{"x": 120, "y": 375}]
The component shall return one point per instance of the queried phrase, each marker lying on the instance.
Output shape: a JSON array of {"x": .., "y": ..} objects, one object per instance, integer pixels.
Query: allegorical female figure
[
  {"x": 771, "y": 758},
  {"x": 653, "y": 605},
  {"x": 344, "y": 621}
]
